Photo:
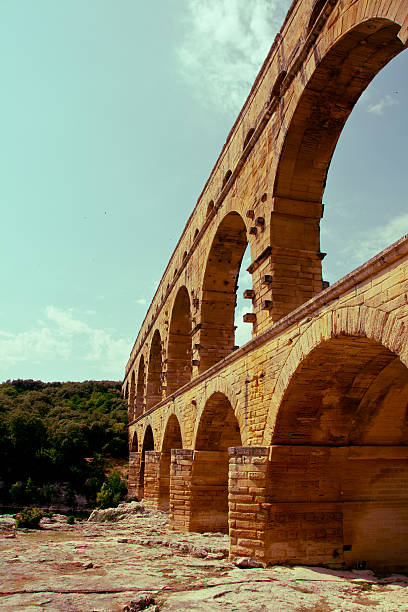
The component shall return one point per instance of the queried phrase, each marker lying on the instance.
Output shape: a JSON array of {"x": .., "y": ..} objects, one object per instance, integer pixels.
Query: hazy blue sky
[{"x": 112, "y": 115}]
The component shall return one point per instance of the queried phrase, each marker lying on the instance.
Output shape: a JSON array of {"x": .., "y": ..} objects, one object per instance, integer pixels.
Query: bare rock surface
[{"x": 125, "y": 558}]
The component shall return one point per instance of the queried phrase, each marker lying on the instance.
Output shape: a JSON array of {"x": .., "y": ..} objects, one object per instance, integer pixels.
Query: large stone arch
[
  {"x": 387, "y": 329},
  {"x": 219, "y": 286},
  {"x": 217, "y": 430},
  {"x": 220, "y": 385},
  {"x": 336, "y": 75},
  {"x": 148, "y": 435},
  {"x": 338, "y": 393},
  {"x": 154, "y": 373},
  {"x": 172, "y": 431},
  {"x": 179, "y": 349}
]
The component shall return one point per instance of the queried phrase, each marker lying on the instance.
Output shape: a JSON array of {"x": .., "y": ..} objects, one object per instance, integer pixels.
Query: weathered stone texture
[{"x": 314, "y": 409}]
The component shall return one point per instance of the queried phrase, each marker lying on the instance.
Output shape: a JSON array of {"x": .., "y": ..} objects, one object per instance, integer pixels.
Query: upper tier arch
[
  {"x": 179, "y": 349},
  {"x": 219, "y": 287},
  {"x": 332, "y": 89}
]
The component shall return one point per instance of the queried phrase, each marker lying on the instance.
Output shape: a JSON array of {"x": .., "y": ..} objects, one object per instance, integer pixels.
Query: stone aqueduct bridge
[{"x": 296, "y": 442}]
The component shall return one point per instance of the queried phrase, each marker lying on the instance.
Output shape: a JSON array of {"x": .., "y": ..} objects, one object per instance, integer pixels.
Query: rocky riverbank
[{"x": 124, "y": 556}]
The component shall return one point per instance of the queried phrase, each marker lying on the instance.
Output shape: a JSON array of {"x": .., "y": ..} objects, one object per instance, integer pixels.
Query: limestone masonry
[{"x": 296, "y": 443}]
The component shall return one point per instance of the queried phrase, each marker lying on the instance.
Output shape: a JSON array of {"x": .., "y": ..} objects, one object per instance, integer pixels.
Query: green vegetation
[
  {"x": 55, "y": 439},
  {"x": 29, "y": 517},
  {"x": 112, "y": 492}
]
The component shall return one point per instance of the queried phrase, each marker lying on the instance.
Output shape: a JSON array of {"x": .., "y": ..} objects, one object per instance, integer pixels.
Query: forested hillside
[{"x": 55, "y": 438}]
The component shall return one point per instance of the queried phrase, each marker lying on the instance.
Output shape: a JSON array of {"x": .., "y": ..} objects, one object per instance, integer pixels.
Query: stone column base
[
  {"x": 134, "y": 474},
  {"x": 198, "y": 490},
  {"x": 157, "y": 480}
]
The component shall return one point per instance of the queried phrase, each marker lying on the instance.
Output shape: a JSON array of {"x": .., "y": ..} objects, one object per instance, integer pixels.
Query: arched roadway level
[{"x": 278, "y": 153}]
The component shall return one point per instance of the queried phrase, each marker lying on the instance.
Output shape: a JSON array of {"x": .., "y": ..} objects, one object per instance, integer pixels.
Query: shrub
[
  {"x": 71, "y": 520},
  {"x": 112, "y": 492},
  {"x": 29, "y": 517}
]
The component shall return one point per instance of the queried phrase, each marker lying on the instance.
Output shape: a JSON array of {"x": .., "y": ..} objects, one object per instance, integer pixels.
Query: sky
[{"x": 112, "y": 115}]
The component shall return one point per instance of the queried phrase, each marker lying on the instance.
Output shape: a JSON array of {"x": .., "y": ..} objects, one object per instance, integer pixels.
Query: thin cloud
[
  {"x": 60, "y": 337},
  {"x": 375, "y": 239},
  {"x": 141, "y": 301},
  {"x": 224, "y": 46},
  {"x": 379, "y": 107},
  {"x": 243, "y": 331}
]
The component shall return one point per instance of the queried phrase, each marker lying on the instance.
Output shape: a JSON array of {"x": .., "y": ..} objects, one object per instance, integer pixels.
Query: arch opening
[
  {"x": 131, "y": 402},
  {"x": 148, "y": 445},
  {"x": 244, "y": 301},
  {"x": 340, "y": 447},
  {"x": 210, "y": 207},
  {"x": 171, "y": 440},
  {"x": 172, "y": 435},
  {"x": 227, "y": 177},
  {"x": 217, "y": 334},
  {"x": 134, "y": 445},
  {"x": 140, "y": 389},
  {"x": 153, "y": 395},
  {"x": 248, "y": 136},
  {"x": 179, "y": 345},
  {"x": 316, "y": 10},
  {"x": 327, "y": 101},
  {"x": 217, "y": 431},
  {"x": 276, "y": 89},
  {"x": 218, "y": 428}
]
